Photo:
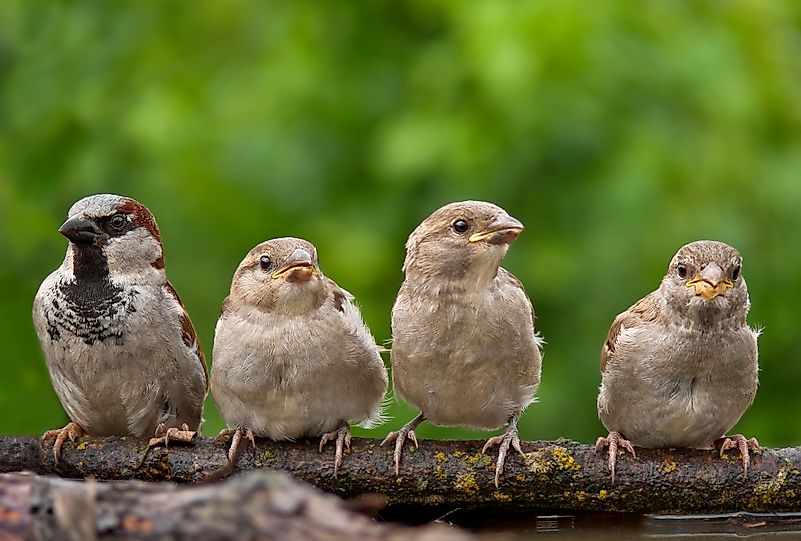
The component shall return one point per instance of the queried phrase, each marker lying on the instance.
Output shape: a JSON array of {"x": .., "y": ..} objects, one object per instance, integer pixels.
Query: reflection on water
[
  {"x": 750, "y": 525},
  {"x": 622, "y": 527}
]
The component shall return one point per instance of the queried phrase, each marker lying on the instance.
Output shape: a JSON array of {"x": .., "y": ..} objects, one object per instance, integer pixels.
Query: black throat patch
[
  {"x": 90, "y": 307},
  {"x": 89, "y": 263}
]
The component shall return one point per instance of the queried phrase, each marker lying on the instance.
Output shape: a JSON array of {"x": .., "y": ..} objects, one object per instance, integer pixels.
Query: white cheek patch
[{"x": 133, "y": 254}]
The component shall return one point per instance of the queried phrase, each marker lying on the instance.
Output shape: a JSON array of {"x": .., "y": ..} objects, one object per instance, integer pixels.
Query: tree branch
[
  {"x": 255, "y": 505},
  {"x": 560, "y": 476}
]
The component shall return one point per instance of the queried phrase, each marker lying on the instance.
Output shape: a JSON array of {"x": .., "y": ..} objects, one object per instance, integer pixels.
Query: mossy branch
[{"x": 558, "y": 476}]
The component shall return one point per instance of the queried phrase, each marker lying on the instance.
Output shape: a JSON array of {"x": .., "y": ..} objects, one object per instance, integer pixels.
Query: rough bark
[
  {"x": 257, "y": 505},
  {"x": 557, "y": 476}
]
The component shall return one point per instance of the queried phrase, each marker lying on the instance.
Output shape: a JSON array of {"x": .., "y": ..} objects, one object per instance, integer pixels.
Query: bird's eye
[
  {"x": 265, "y": 262},
  {"x": 735, "y": 273},
  {"x": 118, "y": 222},
  {"x": 681, "y": 269},
  {"x": 460, "y": 226}
]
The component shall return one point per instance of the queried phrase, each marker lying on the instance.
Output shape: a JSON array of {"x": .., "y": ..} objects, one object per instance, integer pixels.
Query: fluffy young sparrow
[
  {"x": 122, "y": 353},
  {"x": 464, "y": 349},
  {"x": 292, "y": 356},
  {"x": 679, "y": 368}
]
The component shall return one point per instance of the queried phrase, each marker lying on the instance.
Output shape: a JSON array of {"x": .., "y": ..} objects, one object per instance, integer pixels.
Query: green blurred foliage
[{"x": 615, "y": 132}]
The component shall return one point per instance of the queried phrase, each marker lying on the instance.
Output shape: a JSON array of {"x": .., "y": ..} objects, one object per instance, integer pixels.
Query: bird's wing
[
  {"x": 371, "y": 375},
  {"x": 189, "y": 335},
  {"x": 344, "y": 302},
  {"x": 528, "y": 364},
  {"x": 341, "y": 297},
  {"x": 507, "y": 277},
  {"x": 226, "y": 307},
  {"x": 643, "y": 311}
]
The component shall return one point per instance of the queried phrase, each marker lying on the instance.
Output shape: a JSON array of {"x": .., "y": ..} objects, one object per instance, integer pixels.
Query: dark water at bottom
[{"x": 622, "y": 527}]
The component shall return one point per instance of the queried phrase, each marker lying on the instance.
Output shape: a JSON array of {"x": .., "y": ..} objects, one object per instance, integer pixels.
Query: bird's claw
[
  {"x": 399, "y": 438},
  {"x": 741, "y": 443},
  {"x": 72, "y": 431},
  {"x": 613, "y": 441},
  {"x": 508, "y": 439},
  {"x": 343, "y": 438},
  {"x": 235, "y": 434},
  {"x": 236, "y": 439},
  {"x": 163, "y": 436},
  {"x": 225, "y": 435}
]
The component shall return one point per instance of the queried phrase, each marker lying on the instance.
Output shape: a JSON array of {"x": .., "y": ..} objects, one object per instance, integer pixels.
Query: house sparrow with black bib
[
  {"x": 679, "y": 368},
  {"x": 122, "y": 354},
  {"x": 292, "y": 356},
  {"x": 464, "y": 350}
]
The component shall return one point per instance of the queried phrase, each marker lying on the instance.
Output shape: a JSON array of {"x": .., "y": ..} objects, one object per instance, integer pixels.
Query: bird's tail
[{"x": 378, "y": 416}]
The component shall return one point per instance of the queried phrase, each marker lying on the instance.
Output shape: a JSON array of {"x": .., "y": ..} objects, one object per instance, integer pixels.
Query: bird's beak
[
  {"x": 502, "y": 230},
  {"x": 299, "y": 267},
  {"x": 79, "y": 230},
  {"x": 710, "y": 282}
]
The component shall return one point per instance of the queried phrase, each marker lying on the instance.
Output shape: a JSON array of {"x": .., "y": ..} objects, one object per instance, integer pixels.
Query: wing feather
[{"x": 645, "y": 310}]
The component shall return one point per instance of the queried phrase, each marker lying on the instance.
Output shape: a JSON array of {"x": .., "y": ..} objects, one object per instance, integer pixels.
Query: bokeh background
[{"x": 615, "y": 132}]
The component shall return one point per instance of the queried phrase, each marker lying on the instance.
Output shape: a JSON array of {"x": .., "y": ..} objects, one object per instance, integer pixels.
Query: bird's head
[
  {"x": 705, "y": 282},
  {"x": 461, "y": 242},
  {"x": 113, "y": 236},
  {"x": 280, "y": 274}
]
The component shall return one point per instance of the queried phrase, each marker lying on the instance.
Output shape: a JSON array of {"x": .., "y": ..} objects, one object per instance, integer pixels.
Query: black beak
[{"x": 79, "y": 230}]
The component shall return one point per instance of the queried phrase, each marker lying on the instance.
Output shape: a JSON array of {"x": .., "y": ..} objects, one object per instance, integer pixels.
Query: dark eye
[
  {"x": 735, "y": 273},
  {"x": 265, "y": 262},
  {"x": 681, "y": 269},
  {"x": 460, "y": 226},
  {"x": 118, "y": 222}
]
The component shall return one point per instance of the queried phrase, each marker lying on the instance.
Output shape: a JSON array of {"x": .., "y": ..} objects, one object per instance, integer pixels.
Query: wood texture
[
  {"x": 256, "y": 505},
  {"x": 558, "y": 476}
]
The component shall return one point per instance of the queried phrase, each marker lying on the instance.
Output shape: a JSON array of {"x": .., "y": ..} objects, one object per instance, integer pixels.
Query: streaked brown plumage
[{"x": 122, "y": 353}]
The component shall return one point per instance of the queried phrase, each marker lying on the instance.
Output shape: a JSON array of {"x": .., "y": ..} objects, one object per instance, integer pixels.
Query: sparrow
[
  {"x": 121, "y": 350},
  {"x": 292, "y": 357},
  {"x": 679, "y": 368},
  {"x": 464, "y": 349}
]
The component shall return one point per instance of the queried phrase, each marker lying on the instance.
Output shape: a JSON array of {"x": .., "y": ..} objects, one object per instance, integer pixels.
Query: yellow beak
[{"x": 710, "y": 282}]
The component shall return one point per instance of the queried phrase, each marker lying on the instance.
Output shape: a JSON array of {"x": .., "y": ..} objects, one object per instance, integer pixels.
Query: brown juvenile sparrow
[
  {"x": 122, "y": 353},
  {"x": 679, "y": 368},
  {"x": 292, "y": 356},
  {"x": 464, "y": 350}
]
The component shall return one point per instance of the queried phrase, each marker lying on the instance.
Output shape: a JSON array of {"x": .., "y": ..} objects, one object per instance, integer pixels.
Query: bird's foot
[
  {"x": 236, "y": 439},
  {"x": 743, "y": 444},
  {"x": 400, "y": 437},
  {"x": 613, "y": 441},
  {"x": 342, "y": 437},
  {"x": 163, "y": 436},
  {"x": 235, "y": 434},
  {"x": 508, "y": 439},
  {"x": 72, "y": 431},
  {"x": 225, "y": 435}
]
